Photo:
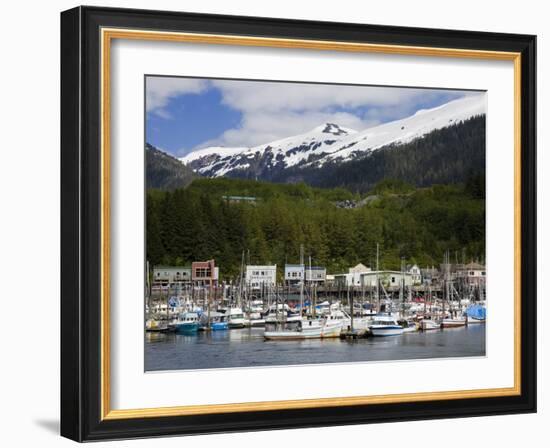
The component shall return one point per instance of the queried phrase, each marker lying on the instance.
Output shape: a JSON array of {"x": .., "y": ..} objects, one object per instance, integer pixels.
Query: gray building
[
  {"x": 170, "y": 275},
  {"x": 316, "y": 274}
]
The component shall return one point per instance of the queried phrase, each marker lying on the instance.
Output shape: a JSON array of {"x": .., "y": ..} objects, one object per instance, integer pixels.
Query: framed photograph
[{"x": 273, "y": 223}]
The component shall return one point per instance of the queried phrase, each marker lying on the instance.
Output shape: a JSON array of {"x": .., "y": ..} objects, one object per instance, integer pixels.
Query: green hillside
[{"x": 219, "y": 218}]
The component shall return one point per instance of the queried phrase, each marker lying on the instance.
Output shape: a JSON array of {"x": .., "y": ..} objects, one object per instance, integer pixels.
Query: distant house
[
  {"x": 352, "y": 277},
  {"x": 171, "y": 275},
  {"x": 258, "y": 276},
  {"x": 416, "y": 274},
  {"x": 204, "y": 272},
  {"x": 237, "y": 199}
]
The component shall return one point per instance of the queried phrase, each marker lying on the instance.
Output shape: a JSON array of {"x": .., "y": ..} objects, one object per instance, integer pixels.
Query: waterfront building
[
  {"x": 259, "y": 276},
  {"x": 316, "y": 274},
  {"x": 294, "y": 273},
  {"x": 204, "y": 272},
  {"x": 171, "y": 275},
  {"x": 352, "y": 277},
  {"x": 389, "y": 279},
  {"x": 416, "y": 274},
  {"x": 473, "y": 273}
]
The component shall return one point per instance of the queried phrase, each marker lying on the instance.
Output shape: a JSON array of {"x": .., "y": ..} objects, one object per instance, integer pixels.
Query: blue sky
[{"x": 184, "y": 114}]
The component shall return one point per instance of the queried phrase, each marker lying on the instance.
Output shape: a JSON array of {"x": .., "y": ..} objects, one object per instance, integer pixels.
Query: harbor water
[{"x": 247, "y": 348}]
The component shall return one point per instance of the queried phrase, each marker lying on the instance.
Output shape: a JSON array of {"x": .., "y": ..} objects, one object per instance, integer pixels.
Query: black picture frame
[{"x": 81, "y": 224}]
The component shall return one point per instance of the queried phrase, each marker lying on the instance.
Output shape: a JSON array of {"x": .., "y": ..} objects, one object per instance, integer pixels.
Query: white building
[
  {"x": 353, "y": 276},
  {"x": 389, "y": 279},
  {"x": 294, "y": 273},
  {"x": 416, "y": 274},
  {"x": 261, "y": 276}
]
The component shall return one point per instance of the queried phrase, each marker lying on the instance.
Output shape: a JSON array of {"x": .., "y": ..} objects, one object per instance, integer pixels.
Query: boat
[
  {"x": 409, "y": 326},
  {"x": 235, "y": 318},
  {"x": 307, "y": 329},
  {"x": 214, "y": 321},
  {"x": 155, "y": 326},
  {"x": 279, "y": 314},
  {"x": 428, "y": 324},
  {"x": 476, "y": 314},
  {"x": 385, "y": 326},
  {"x": 453, "y": 322},
  {"x": 187, "y": 323}
]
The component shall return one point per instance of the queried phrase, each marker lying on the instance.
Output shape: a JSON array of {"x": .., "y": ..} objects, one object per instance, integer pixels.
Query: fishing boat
[
  {"x": 236, "y": 318},
  {"x": 385, "y": 326},
  {"x": 429, "y": 324},
  {"x": 187, "y": 323},
  {"x": 214, "y": 321},
  {"x": 307, "y": 329},
  {"x": 281, "y": 313}
]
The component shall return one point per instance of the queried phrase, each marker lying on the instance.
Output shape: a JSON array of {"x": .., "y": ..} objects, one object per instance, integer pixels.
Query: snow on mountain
[{"x": 331, "y": 142}]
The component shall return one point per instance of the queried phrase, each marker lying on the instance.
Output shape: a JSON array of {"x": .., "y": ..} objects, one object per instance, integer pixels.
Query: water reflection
[{"x": 246, "y": 347}]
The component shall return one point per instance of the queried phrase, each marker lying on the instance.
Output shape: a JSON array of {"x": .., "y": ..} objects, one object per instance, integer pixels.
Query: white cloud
[
  {"x": 267, "y": 126},
  {"x": 275, "y": 110},
  {"x": 159, "y": 91},
  {"x": 274, "y": 96}
]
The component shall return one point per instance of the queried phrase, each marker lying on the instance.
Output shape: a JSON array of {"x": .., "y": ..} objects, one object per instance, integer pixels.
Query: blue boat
[
  {"x": 218, "y": 321},
  {"x": 476, "y": 314},
  {"x": 187, "y": 323}
]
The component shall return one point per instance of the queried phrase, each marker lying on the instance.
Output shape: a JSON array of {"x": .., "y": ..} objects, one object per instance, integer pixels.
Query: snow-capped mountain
[{"x": 329, "y": 142}]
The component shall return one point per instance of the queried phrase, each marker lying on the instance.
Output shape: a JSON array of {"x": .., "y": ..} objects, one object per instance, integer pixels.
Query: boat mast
[
  {"x": 402, "y": 289},
  {"x": 377, "y": 279},
  {"x": 302, "y": 280}
]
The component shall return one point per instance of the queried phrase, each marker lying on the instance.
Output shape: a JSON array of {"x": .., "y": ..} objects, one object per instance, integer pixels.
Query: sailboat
[{"x": 450, "y": 322}]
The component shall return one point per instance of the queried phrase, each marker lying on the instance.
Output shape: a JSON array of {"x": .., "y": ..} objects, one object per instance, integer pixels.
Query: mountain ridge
[{"x": 328, "y": 143}]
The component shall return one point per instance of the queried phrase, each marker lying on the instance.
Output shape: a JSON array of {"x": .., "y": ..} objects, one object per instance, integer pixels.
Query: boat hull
[
  {"x": 386, "y": 330},
  {"x": 474, "y": 321},
  {"x": 430, "y": 326},
  {"x": 187, "y": 327},
  {"x": 219, "y": 326},
  {"x": 308, "y": 331},
  {"x": 453, "y": 323}
]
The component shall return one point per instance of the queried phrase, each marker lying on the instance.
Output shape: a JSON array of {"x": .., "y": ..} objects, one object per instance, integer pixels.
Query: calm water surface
[{"x": 247, "y": 348}]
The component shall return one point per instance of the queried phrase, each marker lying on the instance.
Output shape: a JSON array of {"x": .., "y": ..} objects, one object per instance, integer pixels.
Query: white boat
[
  {"x": 308, "y": 329},
  {"x": 453, "y": 322},
  {"x": 410, "y": 327},
  {"x": 385, "y": 326},
  {"x": 236, "y": 318},
  {"x": 428, "y": 324},
  {"x": 474, "y": 320}
]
